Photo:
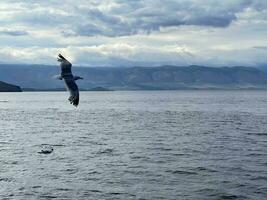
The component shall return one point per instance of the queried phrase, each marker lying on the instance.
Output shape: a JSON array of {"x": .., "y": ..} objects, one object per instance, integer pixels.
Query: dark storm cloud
[
  {"x": 13, "y": 32},
  {"x": 87, "y": 30},
  {"x": 131, "y": 17},
  {"x": 260, "y": 47}
]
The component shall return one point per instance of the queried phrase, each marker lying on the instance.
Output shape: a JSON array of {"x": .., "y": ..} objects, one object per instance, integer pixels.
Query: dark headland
[
  {"x": 39, "y": 77},
  {"x": 6, "y": 87}
]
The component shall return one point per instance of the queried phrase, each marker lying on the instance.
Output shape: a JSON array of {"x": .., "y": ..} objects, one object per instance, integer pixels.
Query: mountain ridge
[{"x": 139, "y": 78}]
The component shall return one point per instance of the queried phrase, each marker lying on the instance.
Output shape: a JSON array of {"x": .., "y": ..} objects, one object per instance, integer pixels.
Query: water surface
[{"x": 134, "y": 145}]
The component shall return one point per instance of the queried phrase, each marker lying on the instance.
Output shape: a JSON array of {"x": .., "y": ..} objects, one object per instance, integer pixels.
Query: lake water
[{"x": 134, "y": 145}]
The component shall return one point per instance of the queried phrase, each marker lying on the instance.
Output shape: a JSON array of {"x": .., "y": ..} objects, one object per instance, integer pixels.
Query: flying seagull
[{"x": 69, "y": 79}]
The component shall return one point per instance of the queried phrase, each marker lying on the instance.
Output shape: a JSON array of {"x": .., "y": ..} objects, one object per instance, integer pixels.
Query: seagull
[{"x": 69, "y": 80}]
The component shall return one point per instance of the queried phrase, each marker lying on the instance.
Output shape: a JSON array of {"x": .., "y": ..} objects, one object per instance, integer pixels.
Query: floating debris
[{"x": 47, "y": 149}]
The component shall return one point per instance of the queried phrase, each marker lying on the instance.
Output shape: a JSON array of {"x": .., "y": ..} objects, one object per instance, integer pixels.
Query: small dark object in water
[{"x": 46, "y": 150}]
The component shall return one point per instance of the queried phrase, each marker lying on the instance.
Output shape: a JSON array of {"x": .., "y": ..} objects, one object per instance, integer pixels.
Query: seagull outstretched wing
[{"x": 73, "y": 89}]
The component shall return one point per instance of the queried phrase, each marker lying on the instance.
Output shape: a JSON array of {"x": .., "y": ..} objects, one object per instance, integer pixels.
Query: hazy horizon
[{"x": 131, "y": 66}]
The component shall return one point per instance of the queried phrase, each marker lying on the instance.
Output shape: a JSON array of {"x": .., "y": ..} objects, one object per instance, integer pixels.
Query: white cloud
[{"x": 134, "y": 32}]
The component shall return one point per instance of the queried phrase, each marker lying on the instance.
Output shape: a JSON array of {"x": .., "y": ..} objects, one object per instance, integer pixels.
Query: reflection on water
[{"x": 134, "y": 145}]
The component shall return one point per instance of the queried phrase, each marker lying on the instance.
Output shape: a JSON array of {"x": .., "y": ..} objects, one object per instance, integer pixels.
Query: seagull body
[{"x": 67, "y": 76}]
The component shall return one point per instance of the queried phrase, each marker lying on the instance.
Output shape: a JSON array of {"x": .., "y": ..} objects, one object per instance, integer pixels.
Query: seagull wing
[{"x": 73, "y": 89}]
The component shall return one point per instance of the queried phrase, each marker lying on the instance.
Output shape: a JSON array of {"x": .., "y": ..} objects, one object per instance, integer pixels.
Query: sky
[{"x": 134, "y": 32}]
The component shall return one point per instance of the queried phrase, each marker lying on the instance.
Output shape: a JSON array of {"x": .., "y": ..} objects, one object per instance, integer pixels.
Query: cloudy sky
[{"x": 134, "y": 32}]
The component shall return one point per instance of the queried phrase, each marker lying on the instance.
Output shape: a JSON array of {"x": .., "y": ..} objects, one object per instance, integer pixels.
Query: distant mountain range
[
  {"x": 263, "y": 68},
  {"x": 40, "y": 77}
]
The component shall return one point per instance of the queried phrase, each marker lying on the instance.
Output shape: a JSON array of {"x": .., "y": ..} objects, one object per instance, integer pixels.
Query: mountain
[
  {"x": 263, "y": 68},
  {"x": 5, "y": 87},
  {"x": 138, "y": 78}
]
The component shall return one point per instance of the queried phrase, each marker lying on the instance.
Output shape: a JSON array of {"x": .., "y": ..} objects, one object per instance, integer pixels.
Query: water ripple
[{"x": 135, "y": 145}]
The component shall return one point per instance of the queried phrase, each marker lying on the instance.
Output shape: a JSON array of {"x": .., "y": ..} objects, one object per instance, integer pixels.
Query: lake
[{"x": 134, "y": 145}]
